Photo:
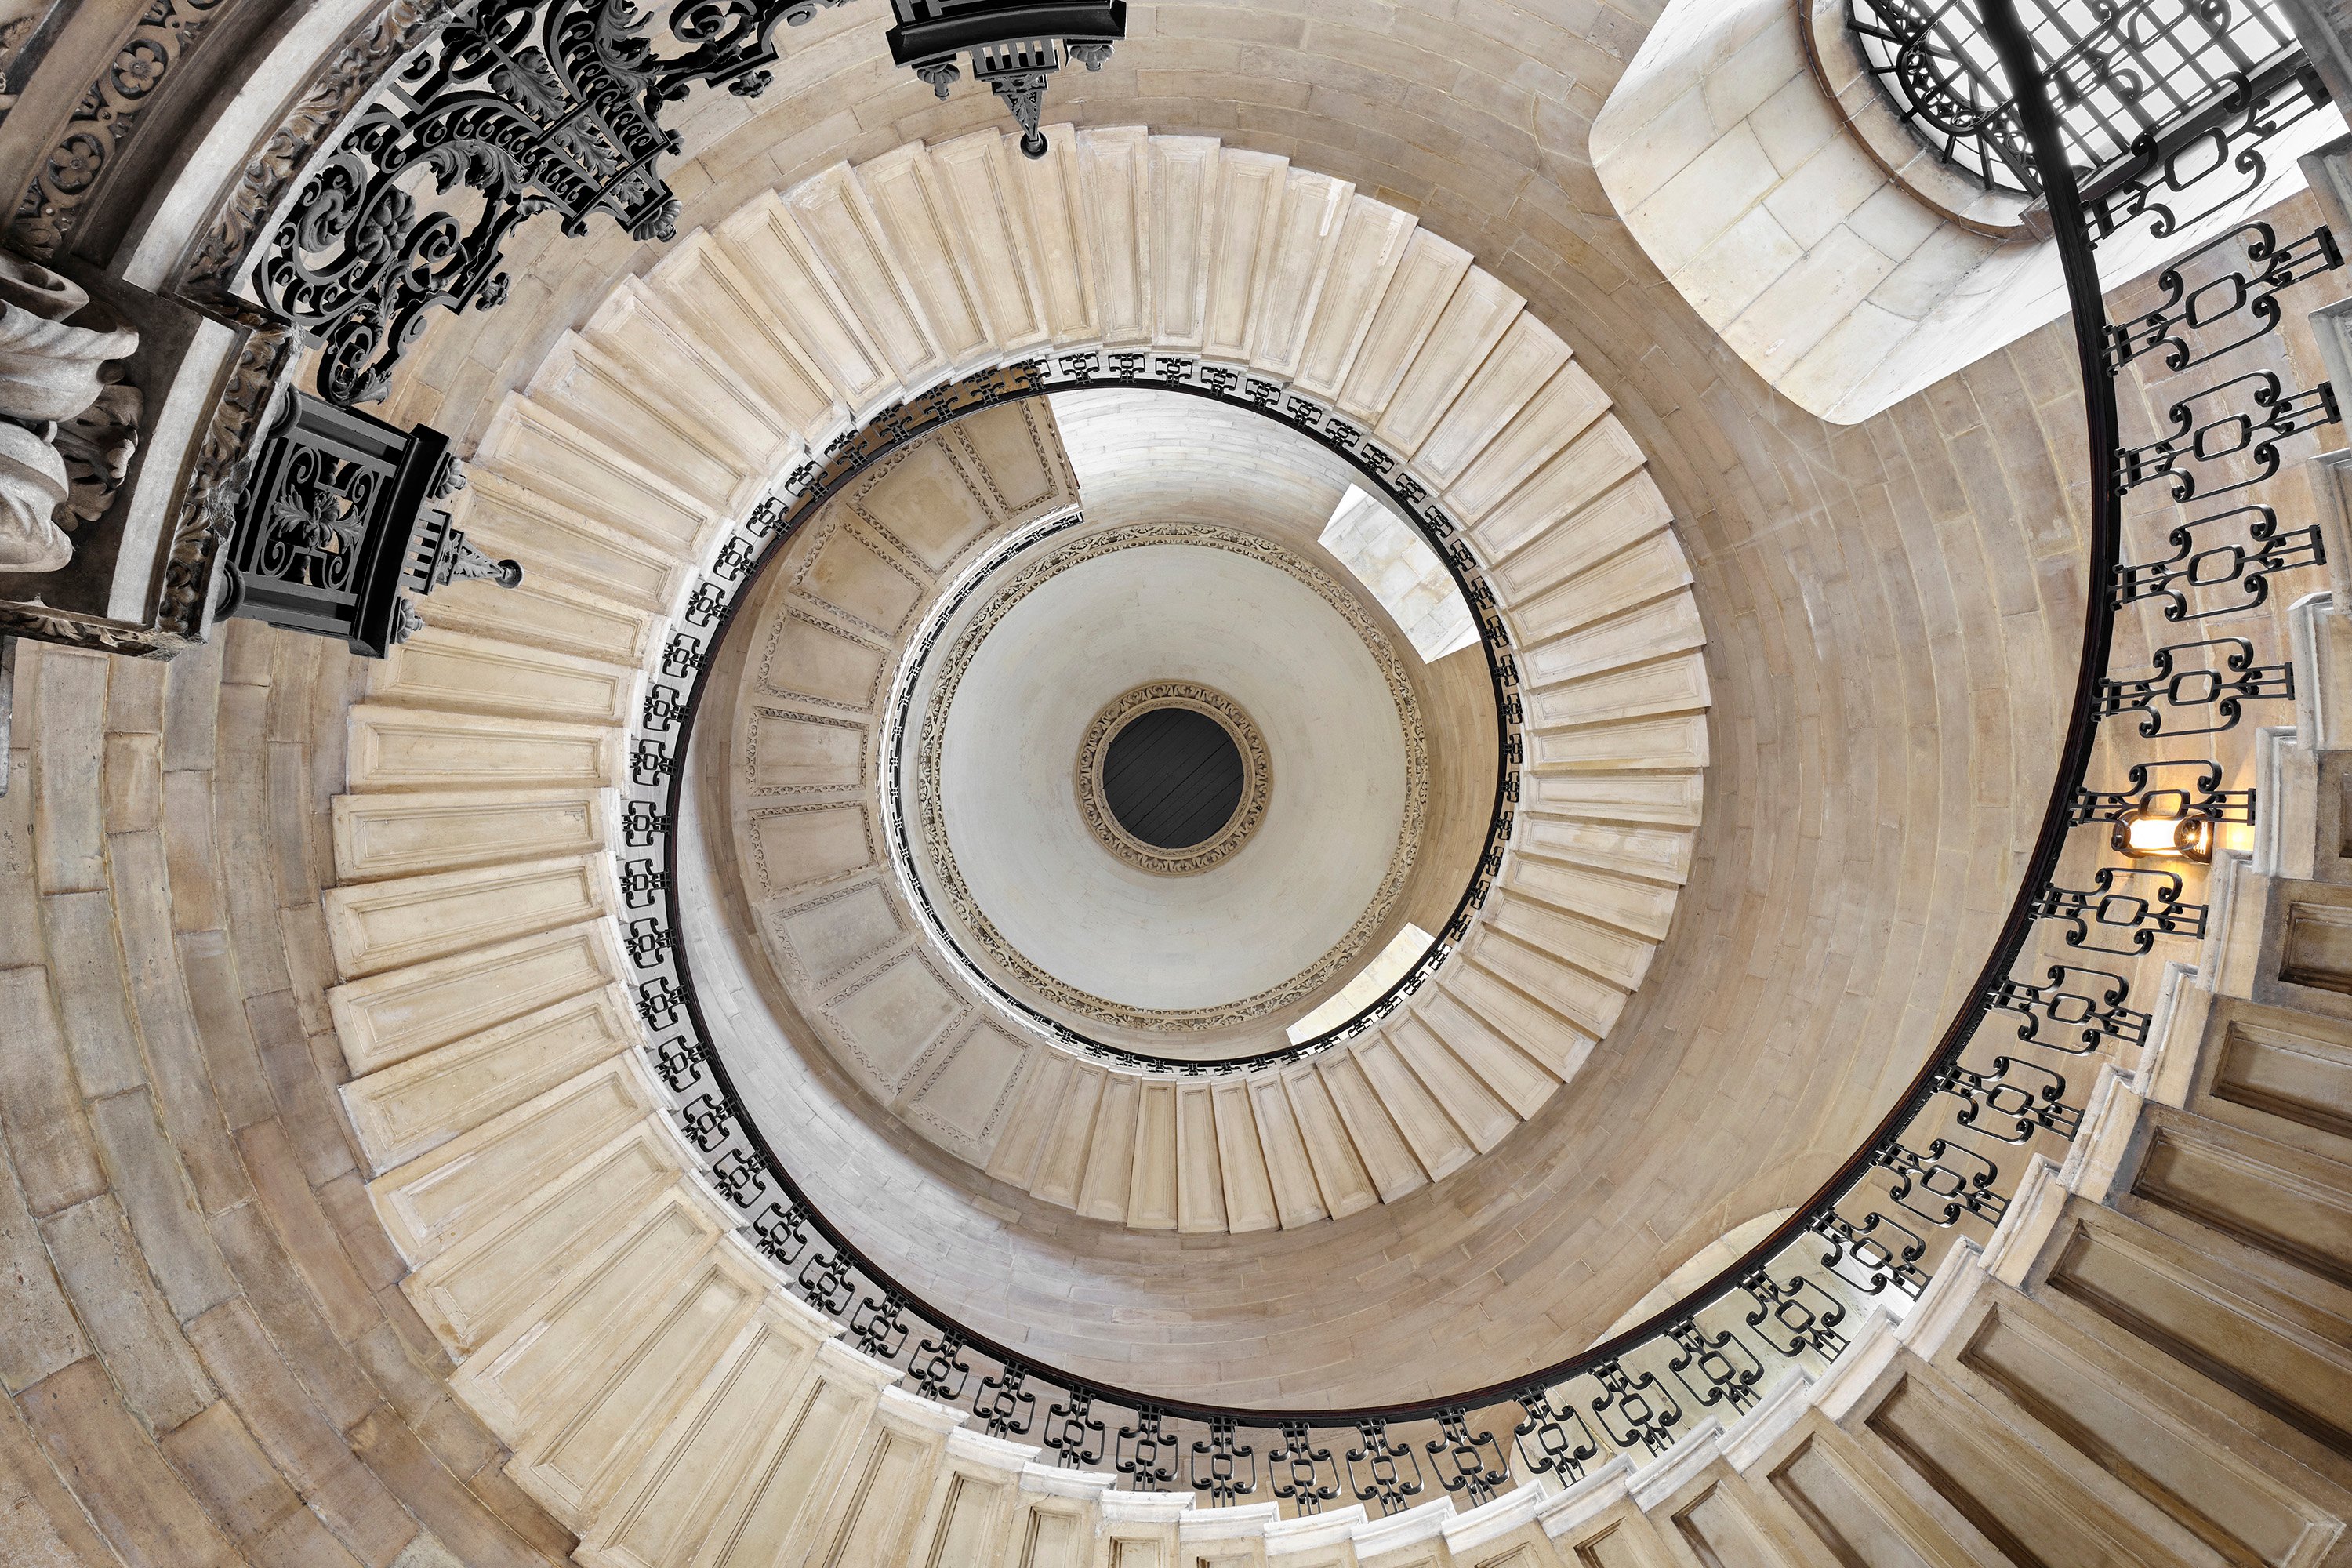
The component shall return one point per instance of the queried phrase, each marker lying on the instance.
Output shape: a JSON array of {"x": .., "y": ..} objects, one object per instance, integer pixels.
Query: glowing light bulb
[{"x": 2144, "y": 833}]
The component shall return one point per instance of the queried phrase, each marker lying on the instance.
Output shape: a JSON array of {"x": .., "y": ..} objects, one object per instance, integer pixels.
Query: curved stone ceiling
[
  {"x": 1881, "y": 638},
  {"x": 1265, "y": 933}
]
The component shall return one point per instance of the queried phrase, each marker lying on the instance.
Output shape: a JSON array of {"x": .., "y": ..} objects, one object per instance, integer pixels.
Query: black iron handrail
[{"x": 1847, "y": 1244}]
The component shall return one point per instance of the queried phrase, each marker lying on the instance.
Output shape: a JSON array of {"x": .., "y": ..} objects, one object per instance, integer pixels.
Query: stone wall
[{"x": 207, "y": 1354}]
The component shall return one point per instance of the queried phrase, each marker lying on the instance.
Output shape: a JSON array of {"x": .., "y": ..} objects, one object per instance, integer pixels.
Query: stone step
[
  {"x": 459, "y": 672},
  {"x": 382, "y": 835},
  {"x": 549, "y": 612}
]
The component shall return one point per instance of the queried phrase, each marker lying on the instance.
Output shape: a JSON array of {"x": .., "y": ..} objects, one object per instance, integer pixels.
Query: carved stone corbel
[{"x": 67, "y": 425}]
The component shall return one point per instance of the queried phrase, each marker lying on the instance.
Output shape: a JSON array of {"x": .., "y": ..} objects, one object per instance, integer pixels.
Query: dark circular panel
[{"x": 1172, "y": 777}]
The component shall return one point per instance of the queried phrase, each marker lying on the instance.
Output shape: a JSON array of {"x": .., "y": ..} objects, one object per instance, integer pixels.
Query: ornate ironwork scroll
[{"x": 524, "y": 107}]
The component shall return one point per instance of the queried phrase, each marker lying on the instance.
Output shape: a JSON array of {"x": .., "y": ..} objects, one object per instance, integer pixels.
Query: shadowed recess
[{"x": 1172, "y": 777}]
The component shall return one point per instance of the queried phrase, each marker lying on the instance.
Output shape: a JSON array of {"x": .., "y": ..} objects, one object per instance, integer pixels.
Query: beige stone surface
[
  {"x": 203, "y": 1369},
  {"x": 1884, "y": 605}
]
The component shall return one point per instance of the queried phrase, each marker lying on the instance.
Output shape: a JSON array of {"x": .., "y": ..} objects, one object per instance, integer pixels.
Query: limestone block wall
[
  {"x": 207, "y": 1353},
  {"x": 2143, "y": 1363},
  {"x": 1886, "y": 603},
  {"x": 1749, "y": 152}
]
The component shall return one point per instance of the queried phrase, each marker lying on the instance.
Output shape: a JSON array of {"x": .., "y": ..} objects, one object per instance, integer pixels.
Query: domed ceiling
[{"x": 1267, "y": 905}]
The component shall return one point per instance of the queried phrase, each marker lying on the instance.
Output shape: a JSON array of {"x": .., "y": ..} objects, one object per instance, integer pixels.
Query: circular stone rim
[{"x": 1153, "y": 697}]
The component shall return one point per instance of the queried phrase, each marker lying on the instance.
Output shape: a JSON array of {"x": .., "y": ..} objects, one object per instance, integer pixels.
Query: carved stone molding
[
  {"x": 366, "y": 55},
  {"x": 78, "y": 165}
]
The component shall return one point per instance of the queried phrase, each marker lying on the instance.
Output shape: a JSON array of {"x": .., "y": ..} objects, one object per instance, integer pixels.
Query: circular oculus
[{"x": 1172, "y": 777}]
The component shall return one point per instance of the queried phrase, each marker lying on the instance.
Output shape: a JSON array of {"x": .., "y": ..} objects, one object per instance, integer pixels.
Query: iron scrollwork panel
[
  {"x": 2173, "y": 699},
  {"x": 1726, "y": 1371},
  {"x": 1635, "y": 1410},
  {"x": 2215, "y": 449},
  {"x": 1382, "y": 1470},
  {"x": 2111, "y": 910},
  {"x": 2205, "y": 562},
  {"x": 1800, "y": 1308},
  {"x": 2187, "y": 320},
  {"x": 1554, "y": 1438},
  {"x": 1223, "y": 1465},
  {"x": 528, "y": 106},
  {"x": 1301, "y": 1472},
  {"x": 2064, "y": 1002},
  {"x": 342, "y": 519}
]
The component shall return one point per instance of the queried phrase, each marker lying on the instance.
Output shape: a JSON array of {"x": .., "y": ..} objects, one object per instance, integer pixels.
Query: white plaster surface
[{"x": 1189, "y": 613}]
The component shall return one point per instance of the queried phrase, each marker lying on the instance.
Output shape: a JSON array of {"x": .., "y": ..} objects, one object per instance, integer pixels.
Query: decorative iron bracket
[
  {"x": 1015, "y": 47},
  {"x": 340, "y": 524}
]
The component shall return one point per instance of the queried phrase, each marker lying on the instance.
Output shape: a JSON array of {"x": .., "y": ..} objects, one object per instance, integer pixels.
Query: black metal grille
[
  {"x": 2131, "y": 84},
  {"x": 1172, "y": 777}
]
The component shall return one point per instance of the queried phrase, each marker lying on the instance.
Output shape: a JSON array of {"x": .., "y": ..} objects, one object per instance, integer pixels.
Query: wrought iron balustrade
[
  {"x": 515, "y": 108},
  {"x": 709, "y": 607},
  {"x": 2180, "y": 646}
]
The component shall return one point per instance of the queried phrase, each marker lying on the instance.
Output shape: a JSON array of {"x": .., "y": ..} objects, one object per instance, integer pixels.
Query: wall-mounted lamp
[{"x": 2165, "y": 826}]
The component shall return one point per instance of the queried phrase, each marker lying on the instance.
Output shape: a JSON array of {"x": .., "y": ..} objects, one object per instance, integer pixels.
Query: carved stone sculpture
[
  {"x": 33, "y": 484},
  {"x": 68, "y": 426}
]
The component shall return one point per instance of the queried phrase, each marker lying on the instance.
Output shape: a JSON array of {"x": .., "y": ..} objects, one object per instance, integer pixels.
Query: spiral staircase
[{"x": 449, "y": 1120}]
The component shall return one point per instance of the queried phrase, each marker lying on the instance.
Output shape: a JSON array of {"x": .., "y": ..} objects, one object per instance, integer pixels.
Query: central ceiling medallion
[{"x": 1173, "y": 777}]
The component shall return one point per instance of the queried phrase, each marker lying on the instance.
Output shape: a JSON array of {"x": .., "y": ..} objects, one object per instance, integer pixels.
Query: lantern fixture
[
  {"x": 2165, "y": 824},
  {"x": 1015, "y": 47}
]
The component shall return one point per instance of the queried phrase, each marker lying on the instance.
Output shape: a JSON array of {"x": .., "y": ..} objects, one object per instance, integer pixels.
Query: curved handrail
[
  {"x": 1805, "y": 1297},
  {"x": 1377, "y": 470}
]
